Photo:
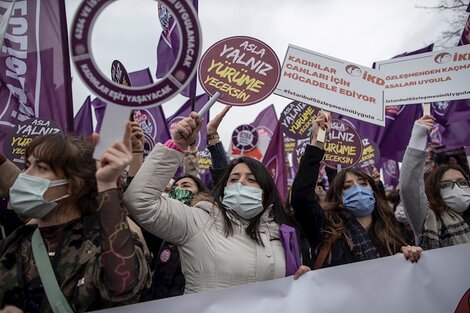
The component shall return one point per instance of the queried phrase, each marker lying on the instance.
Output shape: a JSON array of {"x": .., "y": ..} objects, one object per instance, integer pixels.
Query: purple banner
[
  {"x": 275, "y": 161},
  {"x": 34, "y": 66},
  {"x": 83, "y": 121}
]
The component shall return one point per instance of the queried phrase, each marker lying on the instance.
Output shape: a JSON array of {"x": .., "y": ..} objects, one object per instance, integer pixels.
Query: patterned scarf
[
  {"x": 363, "y": 248},
  {"x": 447, "y": 230}
]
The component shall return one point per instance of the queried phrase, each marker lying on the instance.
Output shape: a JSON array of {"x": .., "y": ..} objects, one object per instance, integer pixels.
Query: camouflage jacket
[{"x": 78, "y": 270}]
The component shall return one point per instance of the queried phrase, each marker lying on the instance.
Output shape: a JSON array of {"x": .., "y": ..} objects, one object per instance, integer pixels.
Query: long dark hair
[
  {"x": 203, "y": 193},
  {"x": 270, "y": 196},
  {"x": 71, "y": 157},
  {"x": 433, "y": 190},
  {"x": 385, "y": 230},
  {"x": 201, "y": 187}
]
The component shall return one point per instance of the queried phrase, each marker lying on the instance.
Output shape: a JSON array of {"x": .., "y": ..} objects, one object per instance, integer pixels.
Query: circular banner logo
[
  {"x": 245, "y": 137},
  {"x": 119, "y": 74},
  {"x": 296, "y": 119},
  {"x": 370, "y": 154},
  {"x": 244, "y": 70},
  {"x": 343, "y": 146},
  {"x": 21, "y": 136},
  {"x": 147, "y": 96}
]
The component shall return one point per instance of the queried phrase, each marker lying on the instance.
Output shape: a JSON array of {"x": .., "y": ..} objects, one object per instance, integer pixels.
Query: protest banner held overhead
[
  {"x": 370, "y": 154},
  {"x": 21, "y": 136},
  {"x": 332, "y": 84},
  {"x": 343, "y": 146},
  {"x": 434, "y": 76},
  {"x": 243, "y": 70},
  {"x": 296, "y": 119}
]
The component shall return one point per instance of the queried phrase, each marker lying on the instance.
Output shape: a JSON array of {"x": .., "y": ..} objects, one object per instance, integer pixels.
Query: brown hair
[
  {"x": 71, "y": 157},
  {"x": 385, "y": 231},
  {"x": 433, "y": 190}
]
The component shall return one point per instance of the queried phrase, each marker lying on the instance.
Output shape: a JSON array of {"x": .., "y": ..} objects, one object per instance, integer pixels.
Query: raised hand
[
  {"x": 214, "y": 123},
  {"x": 186, "y": 131},
  {"x": 322, "y": 120},
  {"x": 428, "y": 121},
  {"x": 137, "y": 137}
]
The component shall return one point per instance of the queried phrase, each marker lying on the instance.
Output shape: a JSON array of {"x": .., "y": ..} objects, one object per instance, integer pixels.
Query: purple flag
[
  {"x": 34, "y": 66},
  {"x": 83, "y": 121},
  {"x": 168, "y": 47},
  {"x": 275, "y": 161},
  {"x": 184, "y": 112},
  {"x": 391, "y": 173},
  {"x": 99, "y": 107}
]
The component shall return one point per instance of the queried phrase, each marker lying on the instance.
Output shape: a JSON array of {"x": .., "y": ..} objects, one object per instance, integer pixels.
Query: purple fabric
[
  {"x": 34, "y": 66},
  {"x": 99, "y": 107},
  {"x": 168, "y": 47},
  {"x": 275, "y": 161},
  {"x": 391, "y": 173},
  {"x": 291, "y": 248},
  {"x": 83, "y": 121},
  {"x": 184, "y": 112}
]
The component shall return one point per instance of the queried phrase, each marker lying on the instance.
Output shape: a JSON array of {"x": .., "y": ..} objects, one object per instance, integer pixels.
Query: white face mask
[
  {"x": 27, "y": 195},
  {"x": 245, "y": 200},
  {"x": 400, "y": 214},
  {"x": 456, "y": 198}
]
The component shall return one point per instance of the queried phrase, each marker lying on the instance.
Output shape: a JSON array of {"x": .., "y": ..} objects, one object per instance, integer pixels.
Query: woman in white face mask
[
  {"x": 73, "y": 206},
  {"x": 438, "y": 209},
  {"x": 230, "y": 241}
]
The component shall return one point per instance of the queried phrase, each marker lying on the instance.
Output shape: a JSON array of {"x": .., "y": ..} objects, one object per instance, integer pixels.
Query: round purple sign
[
  {"x": 343, "y": 146},
  {"x": 296, "y": 119},
  {"x": 245, "y": 137},
  {"x": 147, "y": 96},
  {"x": 21, "y": 136},
  {"x": 119, "y": 74}
]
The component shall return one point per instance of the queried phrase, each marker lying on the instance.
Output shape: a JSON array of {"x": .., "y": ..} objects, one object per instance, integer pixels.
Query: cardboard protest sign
[
  {"x": 427, "y": 77},
  {"x": 299, "y": 151},
  {"x": 332, "y": 84},
  {"x": 289, "y": 144},
  {"x": 204, "y": 160},
  {"x": 21, "y": 136},
  {"x": 296, "y": 119},
  {"x": 343, "y": 146},
  {"x": 245, "y": 137},
  {"x": 370, "y": 154},
  {"x": 244, "y": 70}
]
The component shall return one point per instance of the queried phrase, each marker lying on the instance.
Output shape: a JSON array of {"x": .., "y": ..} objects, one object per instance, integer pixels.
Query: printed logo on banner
[
  {"x": 245, "y": 137},
  {"x": 271, "y": 165},
  {"x": 353, "y": 70},
  {"x": 296, "y": 119},
  {"x": 343, "y": 146},
  {"x": 443, "y": 58},
  {"x": 149, "y": 127},
  {"x": 390, "y": 168},
  {"x": 119, "y": 74},
  {"x": 440, "y": 107},
  {"x": 244, "y": 70},
  {"x": 204, "y": 161},
  {"x": 21, "y": 136}
]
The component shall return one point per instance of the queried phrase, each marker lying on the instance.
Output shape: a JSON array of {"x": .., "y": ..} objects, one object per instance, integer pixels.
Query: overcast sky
[{"x": 360, "y": 31}]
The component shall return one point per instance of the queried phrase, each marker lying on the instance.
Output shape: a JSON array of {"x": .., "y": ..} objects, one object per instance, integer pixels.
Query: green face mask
[{"x": 182, "y": 195}]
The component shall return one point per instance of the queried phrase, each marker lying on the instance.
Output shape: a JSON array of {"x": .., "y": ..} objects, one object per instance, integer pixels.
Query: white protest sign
[
  {"x": 438, "y": 283},
  {"x": 332, "y": 84},
  {"x": 427, "y": 77}
]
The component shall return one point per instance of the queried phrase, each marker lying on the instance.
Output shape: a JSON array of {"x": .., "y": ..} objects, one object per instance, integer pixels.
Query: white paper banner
[
  {"x": 332, "y": 84},
  {"x": 427, "y": 77},
  {"x": 436, "y": 284}
]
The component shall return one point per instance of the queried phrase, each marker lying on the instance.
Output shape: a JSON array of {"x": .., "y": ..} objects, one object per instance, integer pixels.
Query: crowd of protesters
[{"x": 80, "y": 235}]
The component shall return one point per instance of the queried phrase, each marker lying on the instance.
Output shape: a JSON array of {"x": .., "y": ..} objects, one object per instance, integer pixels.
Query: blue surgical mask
[
  {"x": 359, "y": 200},
  {"x": 245, "y": 200},
  {"x": 27, "y": 195}
]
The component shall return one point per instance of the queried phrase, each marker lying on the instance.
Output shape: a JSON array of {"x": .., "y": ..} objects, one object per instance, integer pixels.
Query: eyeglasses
[{"x": 462, "y": 183}]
